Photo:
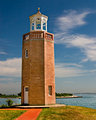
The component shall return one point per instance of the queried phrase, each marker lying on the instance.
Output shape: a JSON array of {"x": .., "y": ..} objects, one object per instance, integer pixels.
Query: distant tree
[
  {"x": 3, "y": 106},
  {"x": 63, "y": 94},
  {"x": 9, "y": 102}
]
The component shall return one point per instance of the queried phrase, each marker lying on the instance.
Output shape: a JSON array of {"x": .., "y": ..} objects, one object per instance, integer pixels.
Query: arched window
[
  {"x": 26, "y": 53},
  {"x": 32, "y": 25},
  {"x": 38, "y": 23},
  {"x": 44, "y": 26}
]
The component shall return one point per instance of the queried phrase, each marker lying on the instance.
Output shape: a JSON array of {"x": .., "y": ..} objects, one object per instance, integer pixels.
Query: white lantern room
[{"x": 38, "y": 22}]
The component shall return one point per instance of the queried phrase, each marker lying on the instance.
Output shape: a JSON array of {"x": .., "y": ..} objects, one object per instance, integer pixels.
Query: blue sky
[{"x": 74, "y": 25}]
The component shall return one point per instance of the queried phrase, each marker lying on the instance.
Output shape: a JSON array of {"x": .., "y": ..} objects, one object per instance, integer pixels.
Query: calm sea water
[
  {"x": 15, "y": 100},
  {"x": 88, "y": 100}
]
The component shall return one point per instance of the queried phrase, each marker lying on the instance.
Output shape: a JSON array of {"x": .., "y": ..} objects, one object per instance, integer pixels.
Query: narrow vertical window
[
  {"x": 33, "y": 26},
  {"x": 26, "y": 53},
  {"x": 44, "y": 26},
  {"x": 38, "y": 23},
  {"x": 50, "y": 90}
]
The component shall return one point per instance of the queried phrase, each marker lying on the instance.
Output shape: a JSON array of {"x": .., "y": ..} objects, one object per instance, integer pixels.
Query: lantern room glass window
[
  {"x": 44, "y": 26},
  {"x": 32, "y": 26},
  {"x": 38, "y": 23}
]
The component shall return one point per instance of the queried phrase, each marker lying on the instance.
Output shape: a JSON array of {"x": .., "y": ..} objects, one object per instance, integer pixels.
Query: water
[
  {"x": 15, "y": 100},
  {"x": 88, "y": 100}
]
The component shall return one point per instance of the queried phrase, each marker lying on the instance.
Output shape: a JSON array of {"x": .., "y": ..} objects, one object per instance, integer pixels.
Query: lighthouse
[{"x": 38, "y": 74}]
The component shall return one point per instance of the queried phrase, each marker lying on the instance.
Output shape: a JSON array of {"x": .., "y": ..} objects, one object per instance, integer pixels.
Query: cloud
[
  {"x": 11, "y": 67},
  {"x": 85, "y": 43},
  {"x": 67, "y": 22},
  {"x": 10, "y": 88},
  {"x": 69, "y": 64},
  {"x": 10, "y": 75},
  {"x": 84, "y": 60},
  {"x": 63, "y": 70},
  {"x": 71, "y": 19},
  {"x": 3, "y": 53}
]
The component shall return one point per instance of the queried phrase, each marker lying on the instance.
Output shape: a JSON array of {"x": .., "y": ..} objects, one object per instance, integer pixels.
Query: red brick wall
[
  {"x": 38, "y": 68},
  {"x": 49, "y": 68}
]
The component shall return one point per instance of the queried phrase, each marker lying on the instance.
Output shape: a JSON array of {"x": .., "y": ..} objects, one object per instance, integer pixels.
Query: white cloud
[
  {"x": 71, "y": 19},
  {"x": 3, "y": 53},
  {"x": 86, "y": 43},
  {"x": 11, "y": 67},
  {"x": 63, "y": 70},
  {"x": 84, "y": 60},
  {"x": 69, "y": 64}
]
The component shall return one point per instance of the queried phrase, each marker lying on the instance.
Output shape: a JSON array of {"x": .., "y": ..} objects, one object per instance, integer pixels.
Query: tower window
[
  {"x": 26, "y": 53},
  {"x": 50, "y": 90},
  {"x": 44, "y": 26},
  {"x": 32, "y": 26},
  {"x": 26, "y": 89},
  {"x": 38, "y": 23},
  {"x": 26, "y": 37}
]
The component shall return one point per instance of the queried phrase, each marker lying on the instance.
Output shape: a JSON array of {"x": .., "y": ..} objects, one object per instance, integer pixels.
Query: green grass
[
  {"x": 10, "y": 114},
  {"x": 68, "y": 113}
]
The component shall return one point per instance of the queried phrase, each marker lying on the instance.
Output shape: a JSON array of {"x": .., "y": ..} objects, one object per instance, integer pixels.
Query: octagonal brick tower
[{"x": 38, "y": 76}]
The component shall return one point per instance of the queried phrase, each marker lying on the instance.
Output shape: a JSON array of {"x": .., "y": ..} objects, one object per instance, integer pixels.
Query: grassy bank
[
  {"x": 10, "y": 96},
  {"x": 10, "y": 114},
  {"x": 68, "y": 113},
  {"x": 63, "y": 94}
]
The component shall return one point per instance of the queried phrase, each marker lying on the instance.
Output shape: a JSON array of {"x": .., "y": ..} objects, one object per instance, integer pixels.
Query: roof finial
[{"x": 39, "y": 10}]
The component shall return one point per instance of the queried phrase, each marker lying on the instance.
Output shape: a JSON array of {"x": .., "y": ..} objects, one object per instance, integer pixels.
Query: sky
[{"x": 73, "y": 23}]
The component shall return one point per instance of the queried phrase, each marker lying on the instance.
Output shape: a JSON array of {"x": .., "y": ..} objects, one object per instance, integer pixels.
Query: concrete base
[{"x": 42, "y": 106}]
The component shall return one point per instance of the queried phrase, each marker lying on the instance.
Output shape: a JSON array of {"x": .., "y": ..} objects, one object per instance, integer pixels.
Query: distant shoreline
[
  {"x": 11, "y": 97},
  {"x": 73, "y": 96}
]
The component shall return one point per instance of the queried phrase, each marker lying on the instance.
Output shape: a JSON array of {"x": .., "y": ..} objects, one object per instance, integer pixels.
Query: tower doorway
[{"x": 26, "y": 89}]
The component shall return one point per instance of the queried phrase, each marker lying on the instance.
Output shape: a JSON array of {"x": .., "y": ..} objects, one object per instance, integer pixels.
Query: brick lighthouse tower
[{"x": 38, "y": 76}]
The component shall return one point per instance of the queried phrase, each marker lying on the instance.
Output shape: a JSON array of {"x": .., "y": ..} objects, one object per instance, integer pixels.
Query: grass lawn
[
  {"x": 68, "y": 113},
  {"x": 10, "y": 114}
]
